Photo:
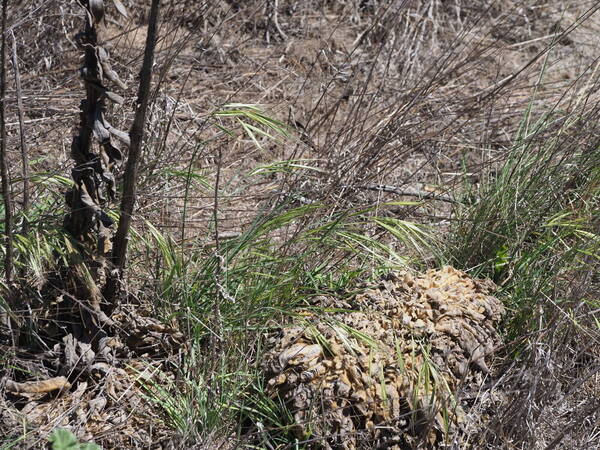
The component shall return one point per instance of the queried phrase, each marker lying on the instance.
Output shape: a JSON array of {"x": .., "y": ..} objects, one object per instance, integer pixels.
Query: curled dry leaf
[
  {"x": 389, "y": 368},
  {"x": 93, "y": 174},
  {"x": 37, "y": 387},
  {"x": 122, "y": 10}
]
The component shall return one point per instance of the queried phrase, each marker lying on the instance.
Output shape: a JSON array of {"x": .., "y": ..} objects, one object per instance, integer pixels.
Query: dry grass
[{"x": 423, "y": 96}]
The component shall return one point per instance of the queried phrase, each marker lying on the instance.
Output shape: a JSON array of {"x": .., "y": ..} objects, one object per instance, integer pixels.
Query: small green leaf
[
  {"x": 89, "y": 446},
  {"x": 63, "y": 440},
  {"x": 501, "y": 260}
]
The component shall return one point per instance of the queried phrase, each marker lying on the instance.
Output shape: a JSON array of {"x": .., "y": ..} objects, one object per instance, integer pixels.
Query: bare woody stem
[
  {"x": 137, "y": 138},
  {"x": 24, "y": 160},
  {"x": 6, "y": 194}
]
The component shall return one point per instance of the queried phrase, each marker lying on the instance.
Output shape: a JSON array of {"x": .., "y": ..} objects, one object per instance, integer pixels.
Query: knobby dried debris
[{"x": 385, "y": 366}]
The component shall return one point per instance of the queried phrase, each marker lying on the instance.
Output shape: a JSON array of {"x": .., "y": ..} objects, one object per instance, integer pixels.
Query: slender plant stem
[
  {"x": 137, "y": 137},
  {"x": 216, "y": 344},
  {"x": 6, "y": 194},
  {"x": 24, "y": 160},
  {"x": 216, "y": 200}
]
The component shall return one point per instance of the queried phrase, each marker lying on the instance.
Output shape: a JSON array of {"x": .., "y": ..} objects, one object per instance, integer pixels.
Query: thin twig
[
  {"x": 216, "y": 200},
  {"x": 24, "y": 160},
  {"x": 273, "y": 20},
  {"x": 409, "y": 192},
  {"x": 220, "y": 259}
]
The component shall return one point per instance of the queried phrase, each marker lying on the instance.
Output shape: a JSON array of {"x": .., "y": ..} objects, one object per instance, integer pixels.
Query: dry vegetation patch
[
  {"x": 388, "y": 368},
  {"x": 99, "y": 397},
  {"x": 385, "y": 101}
]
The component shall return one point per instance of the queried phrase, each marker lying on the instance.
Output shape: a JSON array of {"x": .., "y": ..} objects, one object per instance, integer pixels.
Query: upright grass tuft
[
  {"x": 535, "y": 224},
  {"x": 535, "y": 230},
  {"x": 268, "y": 273}
]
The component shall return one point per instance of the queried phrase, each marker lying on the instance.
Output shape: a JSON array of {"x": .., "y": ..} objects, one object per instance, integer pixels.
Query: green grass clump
[
  {"x": 229, "y": 300},
  {"x": 534, "y": 228}
]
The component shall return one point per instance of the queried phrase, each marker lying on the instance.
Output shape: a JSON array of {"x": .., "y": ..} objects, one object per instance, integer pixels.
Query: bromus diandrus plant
[
  {"x": 269, "y": 274},
  {"x": 535, "y": 220},
  {"x": 535, "y": 230},
  {"x": 40, "y": 247},
  {"x": 233, "y": 292}
]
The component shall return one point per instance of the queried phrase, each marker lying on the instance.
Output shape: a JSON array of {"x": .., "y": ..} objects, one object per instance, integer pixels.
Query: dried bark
[{"x": 96, "y": 153}]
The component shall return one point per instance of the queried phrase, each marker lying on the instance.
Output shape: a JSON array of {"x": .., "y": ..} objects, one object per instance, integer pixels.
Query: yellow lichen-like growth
[{"x": 387, "y": 367}]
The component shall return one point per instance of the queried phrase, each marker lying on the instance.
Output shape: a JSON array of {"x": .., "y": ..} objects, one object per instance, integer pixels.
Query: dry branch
[
  {"x": 24, "y": 160},
  {"x": 137, "y": 138},
  {"x": 6, "y": 194},
  {"x": 38, "y": 387},
  {"x": 271, "y": 7},
  {"x": 409, "y": 192}
]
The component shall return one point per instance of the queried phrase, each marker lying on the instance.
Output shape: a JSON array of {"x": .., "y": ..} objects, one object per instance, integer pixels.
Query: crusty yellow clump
[{"x": 385, "y": 365}]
